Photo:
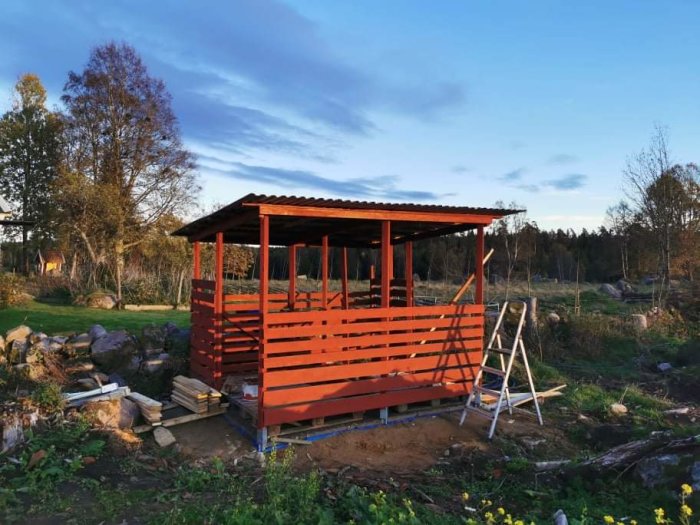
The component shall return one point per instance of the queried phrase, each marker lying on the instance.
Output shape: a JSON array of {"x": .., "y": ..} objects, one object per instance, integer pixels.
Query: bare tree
[
  {"x": 509, "y": 230},
  {"x": 125, "y": 151},
  {"x": 665, "y": 197},
  {"x": 620, "y": 219}
]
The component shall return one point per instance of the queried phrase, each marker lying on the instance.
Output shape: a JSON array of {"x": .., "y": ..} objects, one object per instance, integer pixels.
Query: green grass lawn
[{"x": 56, "y": 319}]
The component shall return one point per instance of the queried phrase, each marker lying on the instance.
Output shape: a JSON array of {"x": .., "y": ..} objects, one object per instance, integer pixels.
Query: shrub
[{"x": 11, "y": 288}]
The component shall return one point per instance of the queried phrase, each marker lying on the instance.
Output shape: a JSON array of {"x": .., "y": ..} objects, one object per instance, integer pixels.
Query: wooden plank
[
  {"x": 203, "y": 284},
  {"x": 275, "y": 378},
  {"x": 373, "y": 325},
  {"x": 145, "y": 401},
  {"x": 451, "y": 338},
  {"x": 347, "y": 356},
  {"x": 192, "y": 417},
  {"x": 276, "y": 416},
  {"x": 300, "y": 394},
  {"x": 375, "y": 313}
]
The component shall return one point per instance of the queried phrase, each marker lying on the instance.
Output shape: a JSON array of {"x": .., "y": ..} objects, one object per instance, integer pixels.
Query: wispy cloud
[
  {"x": 569, "y": 182},
  {"x": 561, "y": 159},
  {"x": 513, "y": 176},
  {"x": 531, "y": 188},
  {"x": 459, "y": 168},
  {"x": 383, "y": 187}
]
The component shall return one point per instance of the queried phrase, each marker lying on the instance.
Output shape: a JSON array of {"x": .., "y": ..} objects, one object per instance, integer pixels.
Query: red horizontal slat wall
[
  {"x": 322, "y": 363},
  {"x": 202, "y": 326}
]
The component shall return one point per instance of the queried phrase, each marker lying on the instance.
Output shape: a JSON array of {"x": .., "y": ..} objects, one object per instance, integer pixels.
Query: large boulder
[
  {"x": 610, "y": 291},
  {"x": 18, "y": 332},
  {"x": 153, "y": 339},
  {"x": 114, "y": 350},
  {"x": 177, "y": 343},
  {"x": 112, "y": 413},
  {"x": 96, "y": 331},
  {"x": 103, "y": 301}
]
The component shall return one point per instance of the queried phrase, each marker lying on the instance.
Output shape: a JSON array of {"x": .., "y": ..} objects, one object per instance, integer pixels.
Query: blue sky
[{"x": 456, "y": 102}]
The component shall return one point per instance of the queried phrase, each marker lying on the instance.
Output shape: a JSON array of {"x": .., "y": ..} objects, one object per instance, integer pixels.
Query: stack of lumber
[
  {"x": 150, "y": 408},
  {"x": 195, "y": 395}
]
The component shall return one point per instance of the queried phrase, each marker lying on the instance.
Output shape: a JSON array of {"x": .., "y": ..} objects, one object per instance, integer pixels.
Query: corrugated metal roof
[{"x": 242, "y": 206}]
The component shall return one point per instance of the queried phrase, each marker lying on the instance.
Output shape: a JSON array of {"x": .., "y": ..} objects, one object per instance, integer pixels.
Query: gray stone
[
  {"x": 639, "y": 322},
  {"x": 101, "y": 301},
  {"x": 18, "y": 332},
  {"x": 664, "y": 367},
  {"x": 610, "y": 291},
  {"x": 618, "y": 409},
  {"x": 18, "y": 351},
  {"x": 170, "y": 328},
  {"x": 114, "y": 350},
  {"x": 129, "y": 413},
  {"x": 153, "y": 339},
  {"x": 553, "y": 318},
  {"x": 624, "y": 286},
  {"x": 163, "y": 437},
  {"x": 36, "y": 337},
  {"x": 96, "y": 331},
  {"x": 78, "y": 344},
  {"x": 653, "y": 470},
  {"x": 695, "y": 475}
]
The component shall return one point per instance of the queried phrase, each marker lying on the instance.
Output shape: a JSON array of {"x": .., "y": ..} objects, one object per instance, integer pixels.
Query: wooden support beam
[
  {"x": 479, "y": 271},
  {"x": 387, "y": 264},
  {"x": 324, "y": 272},
  {"x": 264, "y": 307},
  {"x": 377, "y": 215},
  {"x": 408, "y": 273},
  {"x": 292, "y": 276},
  {"x": 218, "y": 309},
  {"x": 344, "y": 278}
]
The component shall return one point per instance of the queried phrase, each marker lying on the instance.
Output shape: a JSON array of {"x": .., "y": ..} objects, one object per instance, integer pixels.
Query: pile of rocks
[{"x": 110, "y": 351}]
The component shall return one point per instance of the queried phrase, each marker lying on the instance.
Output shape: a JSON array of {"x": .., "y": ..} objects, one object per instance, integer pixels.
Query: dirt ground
[{"x": 400, "y": 448}]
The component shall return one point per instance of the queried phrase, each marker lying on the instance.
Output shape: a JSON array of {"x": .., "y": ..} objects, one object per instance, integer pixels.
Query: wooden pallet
[{"x": 178, "y": 418}]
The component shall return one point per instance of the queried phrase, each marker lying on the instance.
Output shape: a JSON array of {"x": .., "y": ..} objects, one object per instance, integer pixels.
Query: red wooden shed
[{"x": 322, "y": 354}]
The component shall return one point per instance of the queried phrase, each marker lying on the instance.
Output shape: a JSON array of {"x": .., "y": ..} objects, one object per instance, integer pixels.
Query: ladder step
[
  {"x": 488, "y": 391},
  {"x": 504, "y": 351},
  {"x": 488, "y": 414},
  {"x": 494, "y": 371}
]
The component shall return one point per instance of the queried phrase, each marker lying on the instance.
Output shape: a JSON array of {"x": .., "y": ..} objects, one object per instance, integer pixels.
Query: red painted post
[
  {"x": 218, "y": 310},
  {"x": 324, "y": 272},
  {"x": 344, "y": 277},
  {"x": 264, "y": 289},
  {"x": 387, "y": 264},
  {"x": 408, "y": 273},
  {"x": 479, "y": 273},
  {"x": 292, "y": 276},
  {"x": 196, "y": 256}
]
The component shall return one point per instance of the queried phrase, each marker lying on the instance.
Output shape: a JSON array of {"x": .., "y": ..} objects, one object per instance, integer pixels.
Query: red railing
[{"x": 322, "y": 363}]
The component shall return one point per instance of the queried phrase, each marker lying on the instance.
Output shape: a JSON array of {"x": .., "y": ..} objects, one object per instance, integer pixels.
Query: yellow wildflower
[
  {"x": 609, "y": 519},
  {"x": 633, "y": 522},
  {"x": 686, "y": 510},
  {"x": 686, "y": 489},
  {"x": 519, "y": 522},
  {"x": 501, "y": 510},
  {"x": 465, "y": 496},
  {"x": 660, "y": 513}
]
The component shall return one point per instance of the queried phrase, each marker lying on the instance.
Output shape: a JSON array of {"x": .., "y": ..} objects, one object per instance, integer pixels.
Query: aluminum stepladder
[{"x": 474, "y": 402}]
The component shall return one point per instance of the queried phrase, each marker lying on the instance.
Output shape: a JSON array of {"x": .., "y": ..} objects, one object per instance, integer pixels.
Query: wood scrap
[
  {"x": 195, "y": 395},
  {"x": 291, "y": 441},
  {"x": 151, "y": 410}
]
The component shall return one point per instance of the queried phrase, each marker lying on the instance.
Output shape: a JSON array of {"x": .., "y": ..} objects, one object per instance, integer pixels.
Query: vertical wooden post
[
  {"x": 479, "y": 273},
  {"x": 408, "y": 273},
  {"x": 324, "y": 272},
  {"x": 387, "y": 264},
  {"x": 196, "y": 256},
  {"x": 264, "y": 290},
  {"x": 218, "y": 310},
  {"x": 292, "y": 276}
]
